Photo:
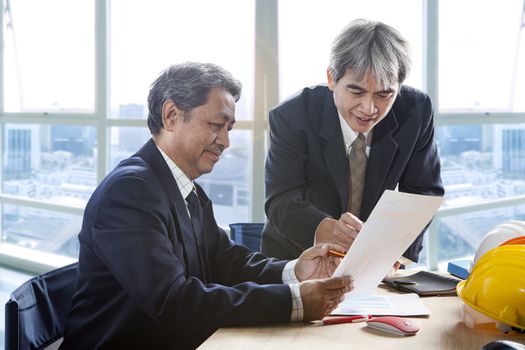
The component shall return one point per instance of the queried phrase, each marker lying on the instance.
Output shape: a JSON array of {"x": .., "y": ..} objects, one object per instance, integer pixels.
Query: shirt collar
[
  {"x": 183, "y": 182},
  {"x": 350, "y": 135}
]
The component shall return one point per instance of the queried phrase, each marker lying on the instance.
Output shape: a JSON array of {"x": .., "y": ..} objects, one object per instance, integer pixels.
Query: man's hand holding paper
[
  {"x": 343, "y": 231},
  {"x": 393, "y": 225},
  {"x": 320, "y": 292},
  {"x": 346, "y": 230}
]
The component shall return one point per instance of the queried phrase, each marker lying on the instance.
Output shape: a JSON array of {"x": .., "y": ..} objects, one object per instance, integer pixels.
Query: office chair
[
  {"x": 36, "y": 312},
  {"x": 247, "y": 233}
]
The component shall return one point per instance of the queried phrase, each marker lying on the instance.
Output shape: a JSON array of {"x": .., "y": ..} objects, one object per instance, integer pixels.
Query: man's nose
[
  {"x": 368, "y": 106},
  {"x": 223, "y": 138}
]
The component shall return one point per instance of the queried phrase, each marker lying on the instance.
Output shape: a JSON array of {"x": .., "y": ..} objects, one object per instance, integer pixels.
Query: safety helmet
[
  {"x": 498, "y": 235},
  {"x": 496, "y": 285}
]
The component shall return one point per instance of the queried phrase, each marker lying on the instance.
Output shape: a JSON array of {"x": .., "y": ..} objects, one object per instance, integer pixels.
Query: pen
[
  {"x": 347, "y": 319},
  {"x": 336, "y": 253}
]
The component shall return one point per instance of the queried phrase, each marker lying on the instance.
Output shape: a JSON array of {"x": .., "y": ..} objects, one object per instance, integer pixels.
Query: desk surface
[{"x": 442, "y": 330}]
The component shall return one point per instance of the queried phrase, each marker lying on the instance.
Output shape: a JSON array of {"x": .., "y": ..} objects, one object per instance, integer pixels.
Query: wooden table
[{"x": 443, "y": 330}]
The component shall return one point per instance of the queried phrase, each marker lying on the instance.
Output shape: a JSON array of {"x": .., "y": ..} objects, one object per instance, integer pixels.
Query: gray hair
[
  {"x": 188, "y": 86},
  {"x": 370, "y": 47}
]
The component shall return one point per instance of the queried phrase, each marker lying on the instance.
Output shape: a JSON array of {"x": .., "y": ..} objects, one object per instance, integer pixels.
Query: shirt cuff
[
  {"x": 297, "y": 303},
  {"x": 291, "y": 280},
  {"x": 404, "y": 261},
  {"x": 288, "y": 274}
]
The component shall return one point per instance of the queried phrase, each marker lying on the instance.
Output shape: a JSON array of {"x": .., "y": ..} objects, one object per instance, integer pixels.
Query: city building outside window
[{"x": 73, "y": 102}]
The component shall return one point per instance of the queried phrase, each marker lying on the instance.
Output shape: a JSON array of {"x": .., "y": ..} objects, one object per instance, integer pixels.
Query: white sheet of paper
[
  {"x": 396, "y": 221},
  {"x": 392, "y": 305}
]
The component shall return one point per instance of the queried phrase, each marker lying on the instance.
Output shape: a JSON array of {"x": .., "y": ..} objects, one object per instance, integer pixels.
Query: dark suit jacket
[
  {"x": 307, "y": 167},
  {"x": 142, "y": 286}
]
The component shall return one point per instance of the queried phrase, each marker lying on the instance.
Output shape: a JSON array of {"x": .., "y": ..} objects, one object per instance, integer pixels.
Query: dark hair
[
  {"x": 188, "y": 86},
  {"x": 370, "y": 47}
]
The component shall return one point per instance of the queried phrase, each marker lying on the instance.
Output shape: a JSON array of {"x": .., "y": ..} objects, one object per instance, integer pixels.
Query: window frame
[
  {"x": 431, "y": 85},
  {"x": 266, "y": 95}
]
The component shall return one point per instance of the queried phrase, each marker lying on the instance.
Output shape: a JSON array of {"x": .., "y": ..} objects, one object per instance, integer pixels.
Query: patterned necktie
[
  {"x": 357, "y": 160},
  {"x": 196, "y": 217},
  {"x": 195, "y": 210}
]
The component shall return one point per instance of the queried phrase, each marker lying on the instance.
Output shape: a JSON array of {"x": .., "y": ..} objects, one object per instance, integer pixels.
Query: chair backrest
[
  {"x": 35, "y": 314},
  {"x": 247, "y": 233}
]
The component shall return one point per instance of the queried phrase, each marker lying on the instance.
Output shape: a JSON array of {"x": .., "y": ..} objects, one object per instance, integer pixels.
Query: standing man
[
  {"x": 320, "y": 184},
  {"x": 155, "y": 271}
]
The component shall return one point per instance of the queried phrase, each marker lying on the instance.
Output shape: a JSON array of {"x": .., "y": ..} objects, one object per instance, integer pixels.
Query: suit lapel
[
  {"x": 334, "y": 151},
  {"x": 382, "y": 152},
  {"x": 150, "y": 153}
]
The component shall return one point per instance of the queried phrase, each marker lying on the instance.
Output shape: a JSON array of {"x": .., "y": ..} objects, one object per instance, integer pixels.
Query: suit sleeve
[
  {"x": 130, "y": 235},
  {"x": 287, "y": 206},
  {"x": 232, "y": 263},
  {"x": 423, "y": 172}
]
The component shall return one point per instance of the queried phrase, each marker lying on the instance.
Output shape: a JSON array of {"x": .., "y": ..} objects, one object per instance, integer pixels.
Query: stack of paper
[{"x": 381, "y": 305}]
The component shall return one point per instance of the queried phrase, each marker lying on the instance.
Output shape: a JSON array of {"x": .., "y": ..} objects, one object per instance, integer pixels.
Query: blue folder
[{"x": 459, "y": 268}]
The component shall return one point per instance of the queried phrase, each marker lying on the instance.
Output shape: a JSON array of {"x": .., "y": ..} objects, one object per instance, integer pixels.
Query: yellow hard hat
[{"x": 496, "y": 285}]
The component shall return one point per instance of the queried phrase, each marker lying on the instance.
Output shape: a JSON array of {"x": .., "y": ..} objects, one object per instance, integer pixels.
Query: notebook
[{"x": 424, "y": 283}]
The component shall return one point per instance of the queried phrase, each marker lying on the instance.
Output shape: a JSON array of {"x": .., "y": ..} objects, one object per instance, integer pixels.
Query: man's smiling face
[{"x": 363, "y": 103}]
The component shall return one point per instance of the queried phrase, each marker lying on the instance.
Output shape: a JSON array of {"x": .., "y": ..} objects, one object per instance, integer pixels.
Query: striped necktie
[
  {"x": 196, "y": 216},
  {"x": 357, "y": 160}
]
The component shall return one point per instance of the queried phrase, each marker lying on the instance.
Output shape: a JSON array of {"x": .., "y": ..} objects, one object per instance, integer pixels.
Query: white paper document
[
  {"x": 378, "y": 305},
  {"x": 396, "y": 221}
]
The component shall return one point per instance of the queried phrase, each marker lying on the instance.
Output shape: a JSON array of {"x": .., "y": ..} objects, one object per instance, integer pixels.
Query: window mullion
[
  {"x": 266, "y": 95},
  {"x": 102, "y": 82}
]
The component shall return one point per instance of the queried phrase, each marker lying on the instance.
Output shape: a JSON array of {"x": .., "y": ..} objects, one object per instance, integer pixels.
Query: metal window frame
[
  {"x": 266, "y": 95},
  {"x": 431, "y": 84}
]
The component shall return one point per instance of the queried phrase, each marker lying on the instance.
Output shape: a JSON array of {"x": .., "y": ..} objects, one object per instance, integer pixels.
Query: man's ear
[
  {"x": 170, "y": 113},
  {"x": 330, "y": 79}
]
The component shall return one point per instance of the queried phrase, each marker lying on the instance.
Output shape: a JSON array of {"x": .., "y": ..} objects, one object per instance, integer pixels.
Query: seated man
[{"x": 155, "y": 271}]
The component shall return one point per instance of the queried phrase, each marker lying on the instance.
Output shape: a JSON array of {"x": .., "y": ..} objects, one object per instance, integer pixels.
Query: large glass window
[
  {"x": 481, "y": 55},
  {"x": 147, "y": 37},
  {"x": 125, "y": 141},
  {"x": 173, "y": 32},
  {"x": 49, "y": 56},
  {"x": 45, "y": 230},
  {"x": 481, "y": 78},
  {"x": 459, "y": 235},
  {"x": 60, "y": 136},
  {"x": 306, "y": 35},
  {"x": 482, "y": 163},
  {"x": 55, "y": 163}
]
